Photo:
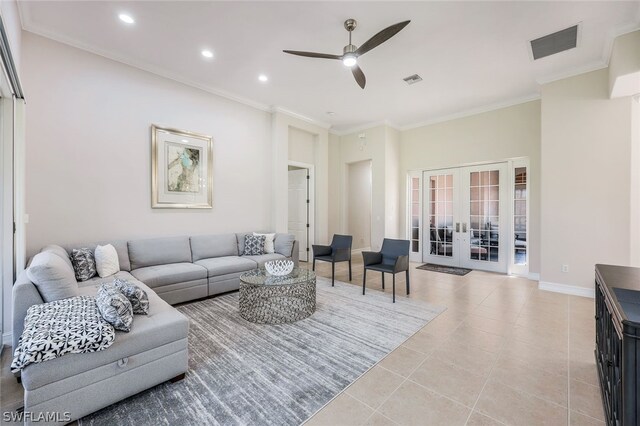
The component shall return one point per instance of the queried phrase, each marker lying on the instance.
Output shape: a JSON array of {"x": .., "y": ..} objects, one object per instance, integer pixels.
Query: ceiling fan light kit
[{"x": 351, "y": 53}]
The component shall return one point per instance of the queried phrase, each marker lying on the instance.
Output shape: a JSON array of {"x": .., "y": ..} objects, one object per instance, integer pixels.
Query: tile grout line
[{"x": 484, "y": 385}]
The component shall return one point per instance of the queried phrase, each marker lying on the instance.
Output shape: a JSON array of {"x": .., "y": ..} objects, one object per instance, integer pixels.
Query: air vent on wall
[
  {"x": 555, "y": 43},
  {"x": 412, "y": 79}
]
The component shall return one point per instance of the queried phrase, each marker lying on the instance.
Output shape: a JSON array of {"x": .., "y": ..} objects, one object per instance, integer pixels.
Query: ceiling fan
[{"x": 351, "y": 53}]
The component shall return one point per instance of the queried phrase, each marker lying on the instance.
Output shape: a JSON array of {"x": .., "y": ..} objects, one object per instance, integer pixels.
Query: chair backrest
[
  {"x": 341, "y": 241},
  {"x": 392, "y": 249}
]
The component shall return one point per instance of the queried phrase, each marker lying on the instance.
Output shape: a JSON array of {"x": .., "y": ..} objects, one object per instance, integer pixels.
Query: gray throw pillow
[
  {"x": 53, "y": 277},
  {"x": 114, "y": 307},
  {"x": 253, "y": 245},
  {"x": 137, "y": 296},
  {"x": 84, "y": 263}
]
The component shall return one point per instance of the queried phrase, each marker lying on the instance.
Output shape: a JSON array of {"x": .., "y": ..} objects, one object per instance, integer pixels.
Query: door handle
[
  {"x": 464, "y": 227},
  {"x": 457, "y": 226}
]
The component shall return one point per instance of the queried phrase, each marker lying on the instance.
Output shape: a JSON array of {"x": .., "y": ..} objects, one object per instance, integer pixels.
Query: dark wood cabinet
[{"x": 617, "y": 342}]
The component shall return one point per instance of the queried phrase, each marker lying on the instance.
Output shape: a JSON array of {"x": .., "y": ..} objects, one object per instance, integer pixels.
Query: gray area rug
[
  {"x": 445, "y": 269},
  {"x": 242, "y": 373}
]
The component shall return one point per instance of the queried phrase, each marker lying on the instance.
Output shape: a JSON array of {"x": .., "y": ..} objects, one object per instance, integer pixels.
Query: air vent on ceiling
[
  {"x": 412, "y": 79},
  {"x": 555, "y": 43}
]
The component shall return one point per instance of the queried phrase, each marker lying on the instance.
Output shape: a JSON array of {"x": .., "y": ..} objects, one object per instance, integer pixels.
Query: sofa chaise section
[
  {"x": 154, "y": 351},
  {"x": 165, "y": 265}
]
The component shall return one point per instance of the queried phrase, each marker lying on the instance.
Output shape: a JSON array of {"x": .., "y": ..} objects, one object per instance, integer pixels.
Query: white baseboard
[
  {"x": 567, "y": 289},
  {"x": 7, "y": 338},
  {"x": 534, "y": 276},
  {"x": 360, "y": 250}
]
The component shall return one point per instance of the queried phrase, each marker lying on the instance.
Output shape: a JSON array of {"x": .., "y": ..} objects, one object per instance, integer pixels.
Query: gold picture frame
[{"x": 181, "y": 169}]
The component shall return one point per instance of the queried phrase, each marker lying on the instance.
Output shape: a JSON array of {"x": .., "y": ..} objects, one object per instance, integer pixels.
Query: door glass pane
[
  {"x": 414, "y": 204},
  {"x": 484, "y": 199},
  {"x": 441, "y": 215},
  {"x": 520, "y": 216}
]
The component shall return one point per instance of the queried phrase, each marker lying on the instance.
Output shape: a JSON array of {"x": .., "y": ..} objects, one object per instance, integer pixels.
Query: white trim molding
[
  {"x": 7, "y": 338},
  {"x": 533, "y": 276},
  {"x": 567, "y": 289}
]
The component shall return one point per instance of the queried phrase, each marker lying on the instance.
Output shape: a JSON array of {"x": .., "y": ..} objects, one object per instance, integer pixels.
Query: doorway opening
[
  {"x": 359, "y": 201},
  {"x": 301, "y": 207},
  {"x": 473, "y": 217}
]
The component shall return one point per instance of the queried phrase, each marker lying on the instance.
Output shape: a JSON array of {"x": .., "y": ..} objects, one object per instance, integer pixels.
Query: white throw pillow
[
  {"x": 53, "y": 277},
  {"x": 269, "y": 247},
  {"x": 107, "y": 260}
]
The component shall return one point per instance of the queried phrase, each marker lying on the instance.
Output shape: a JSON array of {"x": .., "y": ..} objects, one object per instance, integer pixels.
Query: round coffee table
[{"x": 268, "y": 299}]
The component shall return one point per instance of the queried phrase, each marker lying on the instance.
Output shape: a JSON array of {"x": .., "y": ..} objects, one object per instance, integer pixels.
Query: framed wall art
[{"x": 181, "y": 169}]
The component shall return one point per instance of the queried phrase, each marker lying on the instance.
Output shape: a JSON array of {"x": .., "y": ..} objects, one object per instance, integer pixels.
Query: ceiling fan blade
[
  {"x": 381, "y": 37},
  {"x": 359, "y": 75},
  {"x": 313, "y": 54}
]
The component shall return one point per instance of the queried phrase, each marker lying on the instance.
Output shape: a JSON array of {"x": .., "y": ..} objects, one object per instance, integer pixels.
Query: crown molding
[
  {"x": 301, "y": 117},
  {"x": 366, "y": 126},
  {"x": 27, "y": 25},
  {"x": 473, "y": 111}
]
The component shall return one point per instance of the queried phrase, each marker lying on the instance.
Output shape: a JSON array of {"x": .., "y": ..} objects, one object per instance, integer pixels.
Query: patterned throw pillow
[
  {"x": 137, "y": 296},
  {"x": 84, "y": 263},
  {"x": 253, "y": 245},
  {"x": 114, "y": 307}
]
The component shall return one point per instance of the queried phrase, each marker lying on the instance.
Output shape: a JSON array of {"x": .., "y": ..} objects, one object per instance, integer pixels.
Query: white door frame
[
  {"x": 311, "y": 236},
  {"x": 513, "y": 269}
]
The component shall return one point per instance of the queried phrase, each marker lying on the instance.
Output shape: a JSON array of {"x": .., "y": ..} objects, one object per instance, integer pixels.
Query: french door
[{"x": 465, "y": 217}]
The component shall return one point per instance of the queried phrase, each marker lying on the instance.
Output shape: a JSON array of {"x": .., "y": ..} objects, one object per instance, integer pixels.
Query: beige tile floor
[{"x": 503, "y": 353}]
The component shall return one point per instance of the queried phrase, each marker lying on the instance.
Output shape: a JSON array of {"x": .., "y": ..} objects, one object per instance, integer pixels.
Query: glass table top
[{"x": 261, "y": 277}]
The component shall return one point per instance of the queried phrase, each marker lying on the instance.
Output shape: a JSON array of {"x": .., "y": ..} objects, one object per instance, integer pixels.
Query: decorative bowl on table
[{"x": 279, "y": 267}]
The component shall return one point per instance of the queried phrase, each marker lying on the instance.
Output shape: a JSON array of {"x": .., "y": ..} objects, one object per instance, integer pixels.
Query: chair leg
[
  {"x": 408, "y": 286},
  {"x": 394, "y": 288},
  {"x": 333, "y": 273},
  {"x": 364, "y": 280},
  {"x": 314, "y": 264},
  {"x": 383, "y": 280},
  {"x": 349, "y": 269}
]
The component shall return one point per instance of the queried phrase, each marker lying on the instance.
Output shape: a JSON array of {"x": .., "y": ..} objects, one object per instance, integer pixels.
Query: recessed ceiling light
[
  {"x": 331, "y": 113},
  {"x": 263, "y": 78},
  {"x": 207, "y": 53},
  {"x": 127, "y": 19}
]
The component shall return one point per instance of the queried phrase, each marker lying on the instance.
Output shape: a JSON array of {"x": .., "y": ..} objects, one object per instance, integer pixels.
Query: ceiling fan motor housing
[{"x": 349, "y": 48}]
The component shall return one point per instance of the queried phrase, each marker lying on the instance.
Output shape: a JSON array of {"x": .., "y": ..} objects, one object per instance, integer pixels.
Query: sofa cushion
[
  {"x": 226, "y": 265},
  {"x": 123, "y": 275},
  {"x": 57, "y": 250},
  {"x": 52, "y": 276},
  {"x": 159, "y": 251},
  {"x": 284, "y": 244},
  {"x": 208, "y": 246},
  {"x": 163, "y": 325},
  {"x": 120, "y": 246},
  {"x": 159, "y": 275},
  {"x": 262, "y": 258}
]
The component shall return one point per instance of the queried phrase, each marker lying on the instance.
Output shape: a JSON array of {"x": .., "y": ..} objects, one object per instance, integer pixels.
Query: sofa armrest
[
  {"x": 25, "y": 294},
  {"x": 319, "y": 250},
  {"x": 295, "y": 253},
  {"x": 371, "y": 257}
]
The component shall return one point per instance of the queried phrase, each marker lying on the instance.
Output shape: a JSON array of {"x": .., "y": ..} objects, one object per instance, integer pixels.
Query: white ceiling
[{"x": 472, "y": 55}]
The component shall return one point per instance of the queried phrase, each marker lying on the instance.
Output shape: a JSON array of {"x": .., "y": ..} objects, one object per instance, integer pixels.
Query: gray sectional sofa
[{"x": 171, "y": 270}]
